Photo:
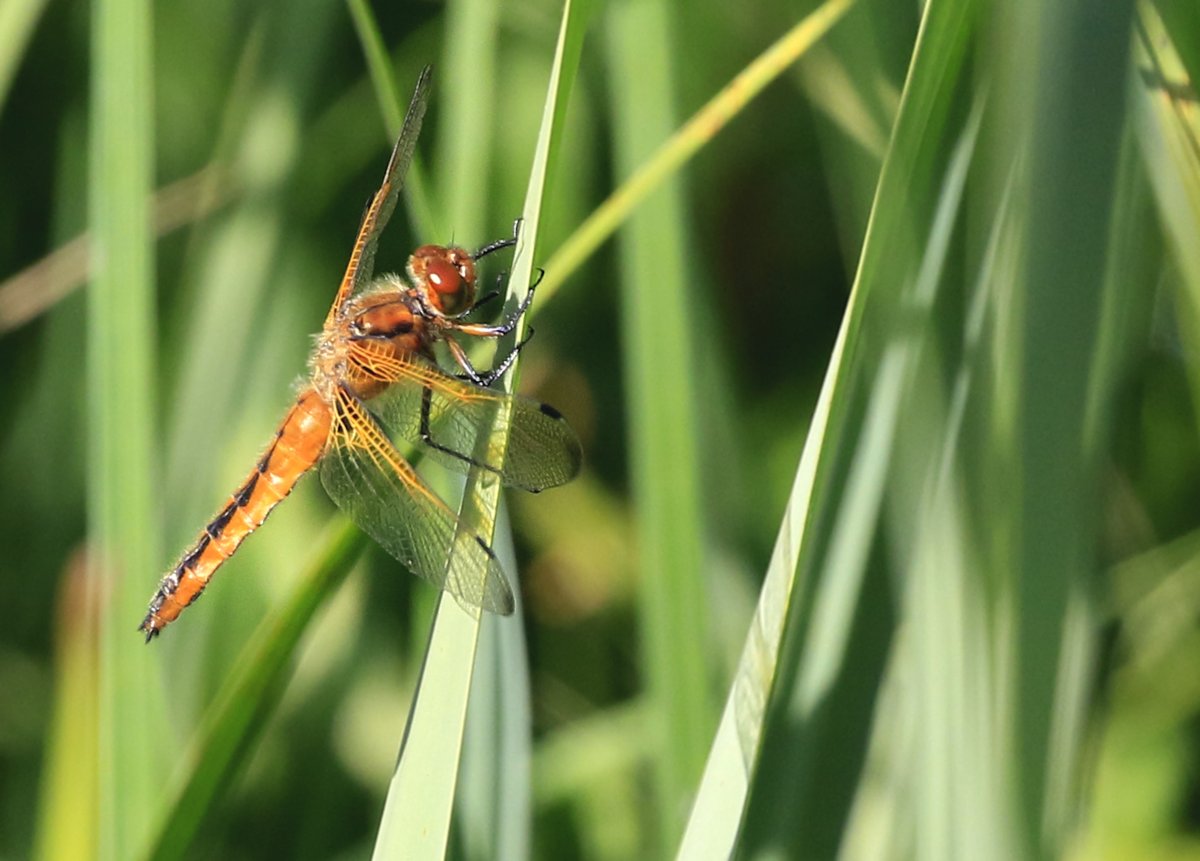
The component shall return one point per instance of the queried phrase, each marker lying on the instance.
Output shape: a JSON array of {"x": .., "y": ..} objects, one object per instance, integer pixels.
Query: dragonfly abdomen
[{"x": 297, "y": 446}]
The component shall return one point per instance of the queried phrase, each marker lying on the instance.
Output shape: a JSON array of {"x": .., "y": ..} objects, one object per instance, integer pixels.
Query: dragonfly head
[{"x": 444, "y": 276}]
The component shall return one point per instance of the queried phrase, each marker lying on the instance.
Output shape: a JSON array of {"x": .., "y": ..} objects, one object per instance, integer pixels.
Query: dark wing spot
[{"x": 551, "y": 411}]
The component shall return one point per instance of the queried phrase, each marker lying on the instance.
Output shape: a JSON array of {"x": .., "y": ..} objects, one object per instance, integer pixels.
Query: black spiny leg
[
  {"x": 488, "y": 377},
  {"x": 500, "y": 243},
  {"x": 498, "y": 330},
  {"x": 464, "y": 362},
  {"x": 426, "y": 432},
  {"x": 487, "y": 297}
]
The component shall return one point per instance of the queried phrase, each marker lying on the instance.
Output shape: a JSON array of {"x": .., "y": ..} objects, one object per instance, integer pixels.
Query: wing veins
[
  {"x": 383, "y": 203},
  {"x": 385, "y": 496}
]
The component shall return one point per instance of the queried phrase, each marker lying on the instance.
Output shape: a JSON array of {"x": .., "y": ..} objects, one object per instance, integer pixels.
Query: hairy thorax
[{"x": 392, "y": 317}]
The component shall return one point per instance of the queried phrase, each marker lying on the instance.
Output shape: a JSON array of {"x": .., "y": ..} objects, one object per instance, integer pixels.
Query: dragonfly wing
[
  {"x": 381, "y": 492},
  {"x": 531, "y": 445},
  {"x": 362, "y": 258}
]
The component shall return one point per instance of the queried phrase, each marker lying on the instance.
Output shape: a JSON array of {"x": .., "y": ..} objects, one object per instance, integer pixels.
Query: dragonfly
[{"x": 372, "y": 370}]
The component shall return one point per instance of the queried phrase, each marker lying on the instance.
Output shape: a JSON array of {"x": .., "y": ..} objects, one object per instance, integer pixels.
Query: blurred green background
[{"x": 990, "y": 647}]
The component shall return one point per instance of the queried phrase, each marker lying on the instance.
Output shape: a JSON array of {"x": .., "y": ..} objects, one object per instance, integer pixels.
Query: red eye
[{"x": 443, "y": 277}]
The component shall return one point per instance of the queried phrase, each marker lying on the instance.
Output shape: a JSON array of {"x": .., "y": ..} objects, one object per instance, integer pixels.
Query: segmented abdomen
[{"x": 297, "y": 446}]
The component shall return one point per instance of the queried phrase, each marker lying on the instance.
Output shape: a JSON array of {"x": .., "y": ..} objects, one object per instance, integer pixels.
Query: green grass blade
[
  {"x": 1133, "y": 257},
  {"x": 420, "y": 799},
  {"x": 941, "y": 749},
  {"x": 494, "y": 794},
  {"x": 658, "y": 369},
  {"x": 69, "y": 807},
  {"x": 467, "y": 94},
  {"x": 120, "y": 396},
  {"x": 838, "y": 626},
  {"x": 417, "y": 813},
  {"x": 240, "y": 710},
  {"x": 717, "y": 813},
  {"x": 388, "y": 97},
  {"x": 1075, "y": 115},
  {"x": 988, "y": 694},
  {"x": 391, "y": 106},
  {"x": 494, "y": 791}
]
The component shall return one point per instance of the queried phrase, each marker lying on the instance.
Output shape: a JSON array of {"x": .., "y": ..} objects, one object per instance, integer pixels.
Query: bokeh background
[{"x": 1075, "y": 191}]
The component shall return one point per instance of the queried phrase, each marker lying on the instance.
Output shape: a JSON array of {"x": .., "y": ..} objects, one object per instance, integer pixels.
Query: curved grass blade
[
  {"x": 713, "y": 824},
  {"x": 417, "y": 813},
  {"x": 838, "y": 627}
]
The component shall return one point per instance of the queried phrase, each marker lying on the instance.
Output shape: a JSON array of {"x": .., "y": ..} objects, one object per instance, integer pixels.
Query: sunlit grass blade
[
  {"x": 120, "y": 349},
  {"x": 838, "y": 627},
  {"x": 943, "y": 680},
  {"x": 713, "y": 824},
  {"x": 714, "y": 820},
  {"x": 494, "y": 791},
  {"x": 239, "y": 712},
  {"x": 18, "y": 18},
  {"x": 417, "y": 813}
]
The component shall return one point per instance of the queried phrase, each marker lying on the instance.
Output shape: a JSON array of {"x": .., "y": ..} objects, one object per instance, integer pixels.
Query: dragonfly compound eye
[{"x": 446, "y": 276}]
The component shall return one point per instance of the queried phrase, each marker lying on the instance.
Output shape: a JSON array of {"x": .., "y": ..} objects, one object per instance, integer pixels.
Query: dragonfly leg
[
  {"x": 464, "y": 362},
  {"x": 492, "y": 247},
  {"x": 426, "y": 433},
  {"x": 486, "y": 378},
  {"x": 486, "y": 297},
  {"x": 497, "y": 330}
]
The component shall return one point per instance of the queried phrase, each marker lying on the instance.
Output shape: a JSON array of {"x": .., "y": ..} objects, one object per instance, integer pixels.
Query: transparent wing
[
  {"x": 531, "y": 446},
  {"x": 362, "y": 257},
  {"x": 369, "y": 480}
]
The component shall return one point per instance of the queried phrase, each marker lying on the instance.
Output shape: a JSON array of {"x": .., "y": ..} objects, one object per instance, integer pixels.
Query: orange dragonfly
[{"x": 373, "y": 366}]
